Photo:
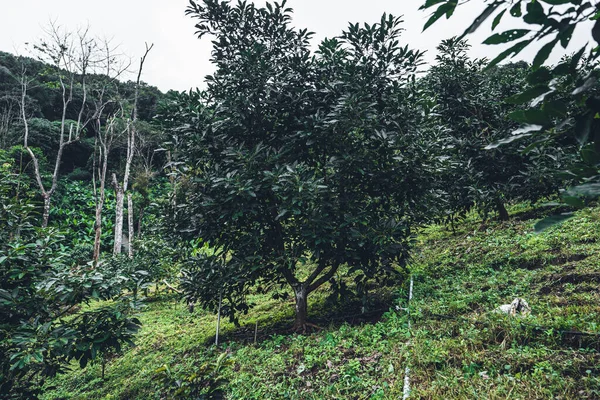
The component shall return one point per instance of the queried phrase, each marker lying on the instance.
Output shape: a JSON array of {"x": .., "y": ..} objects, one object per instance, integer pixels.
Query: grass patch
[{"x": 460, "y": 347}]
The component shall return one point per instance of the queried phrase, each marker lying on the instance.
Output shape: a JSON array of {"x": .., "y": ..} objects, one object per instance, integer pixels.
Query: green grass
[
  {"x": 462, "y": 349},
  {"x": 459, "y": 348}
]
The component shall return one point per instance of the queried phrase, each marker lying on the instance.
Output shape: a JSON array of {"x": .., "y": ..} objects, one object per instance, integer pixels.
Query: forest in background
[{"x": 294, "y": 172}]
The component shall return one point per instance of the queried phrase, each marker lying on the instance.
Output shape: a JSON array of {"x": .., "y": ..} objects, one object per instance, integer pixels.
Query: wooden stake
[
  {"x": 218, "y": 319},
  {"x": 255, "y": 331}
]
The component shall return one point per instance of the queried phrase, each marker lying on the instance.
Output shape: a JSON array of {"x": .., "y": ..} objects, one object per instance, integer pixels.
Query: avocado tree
[
  {"x": 562, "y": 100},
  {"x": 474, "y": 115},
  {"x": 300, "y": 163}
]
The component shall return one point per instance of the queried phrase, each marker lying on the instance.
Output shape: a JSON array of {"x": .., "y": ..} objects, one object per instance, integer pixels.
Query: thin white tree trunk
[
  {"x": 130, "y": 230},
  {"x": 66, "y": 59},
  {"x": 121, "y": 189},
  {"x": 118, "y": 245},
  {"x": 100, "y": 200},
  {"x": 46, "y": 213}
]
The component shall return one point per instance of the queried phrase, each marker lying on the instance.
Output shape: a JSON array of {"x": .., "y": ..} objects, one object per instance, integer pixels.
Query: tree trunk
[
  {"x": 121, "y": 189},
  {"x": 99, "y": 207},
  {"x": 118, "y": 219},
  {"x": 502, "y": 212},
  {"x": 98, "y": 229},
  {"x": 139, "y": 223},
  {"x": 130, "y": 231},
  {"x": 301, "y": 292},
  {"x": 46, "y": 213}
]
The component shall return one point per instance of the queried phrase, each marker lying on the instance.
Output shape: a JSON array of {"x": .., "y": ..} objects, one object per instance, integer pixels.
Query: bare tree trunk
[
  {"x": 140, "y": 219},
  {"x": 98, "y": 235},
  {"x": 72, "y": 61},
  {"x": 118, "y": 245},
  {"x": 130, "y": 230},
  {"x": 121, "y": 189},
  {"x": 8, "y": 115},
  {"x": 104, "y": 138},
  {"x": 103, "y": 148},
  {"x": 46, "y": 213},
  {"x": 98, "y": 220},
  {"x": 320, "y": 275}
]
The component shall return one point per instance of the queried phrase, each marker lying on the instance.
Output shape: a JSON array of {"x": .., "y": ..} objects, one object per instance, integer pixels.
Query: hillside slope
[
  {"x": 463, "y": 349},
  {"x": 459, "y": 347}
]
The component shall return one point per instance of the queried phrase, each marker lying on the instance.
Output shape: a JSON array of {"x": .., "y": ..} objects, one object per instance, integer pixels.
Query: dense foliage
[
  {"x": 562, "y": 100},
  {"x": 43, "y": 326},
  {"x": 472, "y": 113},
  {"x": 299, "y": 171},
  {"x": 302, "y": 162},
  {"x": 43, "y": 103}
]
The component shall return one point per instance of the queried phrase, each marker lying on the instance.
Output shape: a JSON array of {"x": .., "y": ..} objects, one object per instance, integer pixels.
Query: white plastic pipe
[
  {"x": 406, "y": 389},
  {"x": 218, "y": 319}
]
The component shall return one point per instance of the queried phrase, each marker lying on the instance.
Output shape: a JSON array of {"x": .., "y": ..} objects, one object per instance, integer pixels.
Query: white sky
[{"x": 180, "y": 61}]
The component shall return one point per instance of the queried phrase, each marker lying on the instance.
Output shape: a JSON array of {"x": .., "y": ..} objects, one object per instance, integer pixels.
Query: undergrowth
[{"x": 458, "y": 347}]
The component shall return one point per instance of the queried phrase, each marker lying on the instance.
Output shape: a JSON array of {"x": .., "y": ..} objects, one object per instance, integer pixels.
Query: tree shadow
[{"x": 323, "y": 316}]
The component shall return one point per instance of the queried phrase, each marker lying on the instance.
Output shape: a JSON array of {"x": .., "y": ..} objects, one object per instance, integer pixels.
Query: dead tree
[
  {"x": 146, "y": 151},
  {"x": 9, "y": 113},
  {"x": 112, "y": 68},
  {"x": 71, "y": 55},
  {"x": 122, "y": 186}
]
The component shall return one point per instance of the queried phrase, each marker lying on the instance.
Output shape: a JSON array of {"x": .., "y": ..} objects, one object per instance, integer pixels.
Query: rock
[{"x": 517, "y": 307}]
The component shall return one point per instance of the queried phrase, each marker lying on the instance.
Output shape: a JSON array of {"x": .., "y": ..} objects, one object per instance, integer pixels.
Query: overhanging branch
[{"x": 324, "y": 278}]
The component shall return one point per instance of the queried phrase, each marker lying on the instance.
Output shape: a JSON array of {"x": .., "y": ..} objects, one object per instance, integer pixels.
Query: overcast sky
[{"x": 180, "y": 61}]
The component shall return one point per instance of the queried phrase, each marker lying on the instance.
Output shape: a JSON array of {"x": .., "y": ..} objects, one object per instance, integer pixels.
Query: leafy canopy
[{"x": 301, "y": 162}]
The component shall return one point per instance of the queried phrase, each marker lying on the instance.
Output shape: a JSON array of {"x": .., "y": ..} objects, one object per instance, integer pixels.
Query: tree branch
[{"x": 324, "y": 278}]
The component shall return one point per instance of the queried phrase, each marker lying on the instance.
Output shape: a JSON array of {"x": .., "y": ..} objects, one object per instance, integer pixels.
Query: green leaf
[
  {"x": 596, "y": 31},
  {"x": 565, "y": 35},
  {"x": 515, "y": 10},
  {"x": 590, "y": 156},
  {"x": 593, "y": 103},
  {"x": 573, "y": 201},
  {"x": 530, "y": 116},
  {"x": 528, "y": 95},
  {"x": 541, "y": 75},
  {"x": 555, "y": 108},
  {"x": 576, "y": 58},
  {"x": 586, "y": 190},
  {"x": 532, "y": 146},
  {"x": 437, "y": 14},
  {"x": 535, "y": 13},
  {"x": 548, "y": 222},
  {"x": 583, "y": 127},
  {"x": 489, "y": 10},
  {"x": 543, "y": 54},
  {"x": 527, "y": 129},
  {"x": 498, "y": 19},
  {"x": 451, "y": 9},
  {"x": 514, "y": 50},
  {"x": 506, "y": 36},
  {"x": 587, "y": 85},
  {"x": 506, "y": 140},
  {"x": 563, "y": 68}
]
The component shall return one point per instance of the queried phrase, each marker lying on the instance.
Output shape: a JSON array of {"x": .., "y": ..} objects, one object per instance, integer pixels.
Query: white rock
[
  {"x": 504, "y": 308},
  {"x": 517, "y": 307}
]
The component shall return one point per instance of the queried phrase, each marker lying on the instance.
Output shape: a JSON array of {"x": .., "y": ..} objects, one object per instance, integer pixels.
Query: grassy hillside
[{"x": 457, "y": 348}]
